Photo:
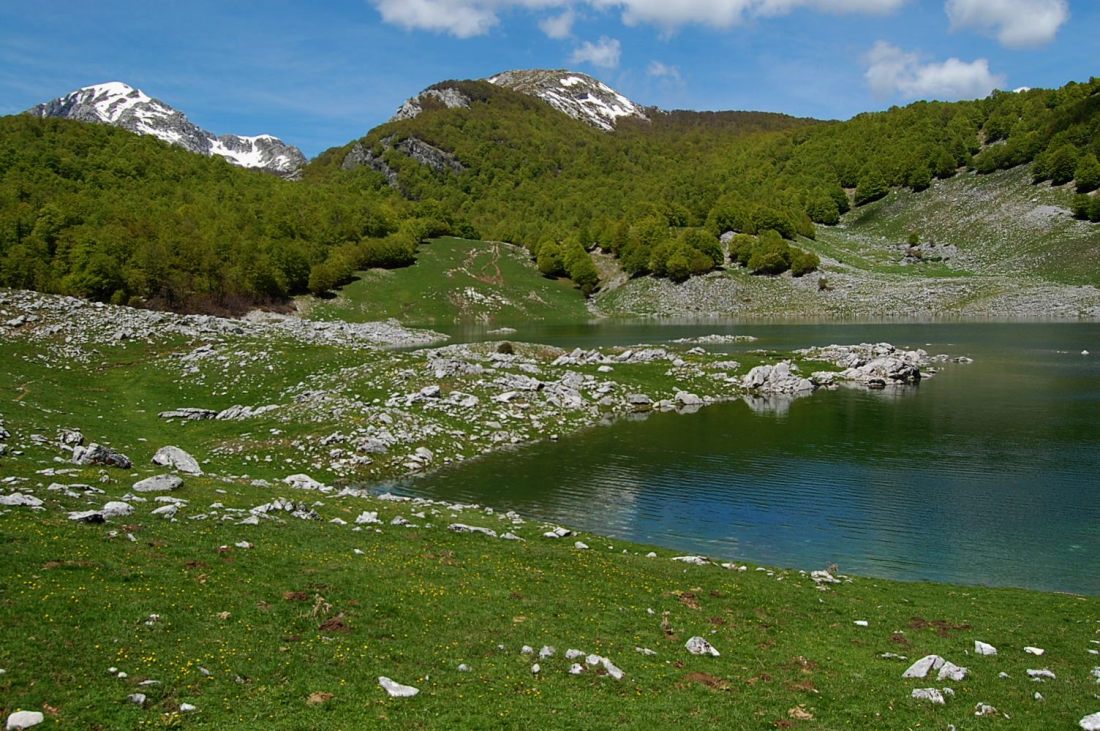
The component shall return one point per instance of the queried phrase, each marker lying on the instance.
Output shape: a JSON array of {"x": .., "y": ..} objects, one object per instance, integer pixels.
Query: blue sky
[{"x": 320, "y": 74}]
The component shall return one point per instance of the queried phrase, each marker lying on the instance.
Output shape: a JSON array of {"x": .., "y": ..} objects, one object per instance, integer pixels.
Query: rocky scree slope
[{"x": 121, "y": 105}]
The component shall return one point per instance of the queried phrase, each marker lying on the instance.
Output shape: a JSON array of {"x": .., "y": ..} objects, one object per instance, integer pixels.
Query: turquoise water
[{"x": 988, "y": 473}]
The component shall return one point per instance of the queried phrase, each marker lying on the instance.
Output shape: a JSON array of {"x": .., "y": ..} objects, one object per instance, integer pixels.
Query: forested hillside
[
  {"x": 658, "y": 193},
  {"x": 106, "y": 214},
  {"x": 102, "y": 213}
]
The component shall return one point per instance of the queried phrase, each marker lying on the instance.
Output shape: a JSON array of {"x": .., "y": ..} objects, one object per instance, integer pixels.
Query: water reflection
[{"x": 985, "y": 474}]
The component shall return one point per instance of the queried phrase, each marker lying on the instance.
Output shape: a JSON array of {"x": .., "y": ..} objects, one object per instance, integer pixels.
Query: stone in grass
[
  {"x": 97, "y": 454},
  {"x": 23, "y": 719},
  {"x": 138, "y": 699},
  {"x": 396, "y": 690},
  {"x": 699, "y": 646},
  {"x": 116, "y": 509},
  {"x": 607, "y": 665},
  {"x": 1090, "y": 722},
  {"x": 177, "y": 459},
  {"x": 17, "y": 499},
  {"x": 463, "y": 528},
  {"x": 694, "y": 560},
  {"x": 187, "y": 708},
  {"x": 1041, "y": 675},
  {"x": 547, "y": 651},
  {"x": 158, "y": 483},
  {"x": 982, "y": 648},
  {"x": 932, "y": 695},
  {"x": 951, "y": 671},
  {"x": 925, "y": 665},
  {"x": 984, "y": 709},
  {"x": 86, "y": 516}
]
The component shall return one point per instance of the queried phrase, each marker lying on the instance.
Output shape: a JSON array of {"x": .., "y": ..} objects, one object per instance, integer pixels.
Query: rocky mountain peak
[
  {"x": 121, "y": 105},
  {"x": 571, "y": 92}
]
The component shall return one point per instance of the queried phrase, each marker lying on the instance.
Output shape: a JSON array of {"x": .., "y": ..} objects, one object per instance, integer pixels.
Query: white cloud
[
  {"x": 604, "y": 54},
  {"x": 1016, "y": 23},
  {"x": 663, "y": 71},
  {"x": 466, "y": 18},
  {"x": 892, "y": 71},
  {"x": 559, "y": 26},
  {"x": 457, "y": 17},
  {"x": 872, "y": 7}
]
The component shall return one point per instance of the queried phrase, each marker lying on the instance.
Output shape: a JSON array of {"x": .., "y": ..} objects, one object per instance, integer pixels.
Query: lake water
[{"x": 988, "y": 473}]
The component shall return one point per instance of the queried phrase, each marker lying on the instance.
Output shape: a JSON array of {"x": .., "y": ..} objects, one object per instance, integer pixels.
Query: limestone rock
[
  {"x": 396, "y": 690},
  {"x": 116, "y": 509},
  {"x": 17, "y": 499},
  {"x": 303, "y": 482},
  {"x": 1088, "y": 723},
  {"x": 951, "y": 671},
  {"x": 177, "y": 459},
  {"x": 922, "y": 667},
  {"x": 188, "y": 413},
  {"x": 97, "y": 454},
  {"x": 982, "y": 648},
  {"x": 69, "y": 438},
  {"x": 929, "y": 694},
  {"x": 23, "y": 719},
  {"x": 158, "y": 483},
  {"x": 86, "y": 516},
  {"x": 693, "y": 560},
  {"x": 699, "y": 646},
  {"x": 463, "y": 528}
]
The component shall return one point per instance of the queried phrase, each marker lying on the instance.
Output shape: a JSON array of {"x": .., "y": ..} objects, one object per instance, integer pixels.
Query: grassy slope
[
  {"x": 456, "y": 281},
  {"x": 419, "y": 601},
  {"x": 1001, "y": 223},
  {"x": 1016, "y": 247}
]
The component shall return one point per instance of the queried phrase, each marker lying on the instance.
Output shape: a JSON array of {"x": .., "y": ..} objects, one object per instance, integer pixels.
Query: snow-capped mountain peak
[
  {"x": 121, "y": 105},
  {"x": 571, "y": 92}
]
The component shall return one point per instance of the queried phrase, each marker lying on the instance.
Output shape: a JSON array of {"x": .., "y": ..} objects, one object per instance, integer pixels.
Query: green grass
[
  {"x": 456, "y": 281},
  {"x": 419, "y": 601},
  {"x": 1001, "y": 223},
  {"x": 302, "y": 613}
]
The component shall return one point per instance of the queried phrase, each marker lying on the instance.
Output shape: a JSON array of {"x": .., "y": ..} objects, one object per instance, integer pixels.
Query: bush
[
  {"x": 803, "y": 262},
  {"x": 1087, "y": 173}
]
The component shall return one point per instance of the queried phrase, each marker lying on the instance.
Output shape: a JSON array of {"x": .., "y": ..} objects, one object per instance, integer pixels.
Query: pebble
[
  {"x": 187, "y": 708},
  {"x": 1034, "y": 650},
  {"x": 138, "y": 699},
  {"x": 1090, "y": 722}
]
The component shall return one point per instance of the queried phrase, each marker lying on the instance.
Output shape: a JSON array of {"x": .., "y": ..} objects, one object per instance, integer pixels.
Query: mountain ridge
[{"x": 121, "y": 105}]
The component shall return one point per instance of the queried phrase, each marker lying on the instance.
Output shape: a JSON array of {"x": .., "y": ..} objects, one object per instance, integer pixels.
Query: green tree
[
  {"x": 1087, "y": 173},
  {"x": 872, "y": 186}
]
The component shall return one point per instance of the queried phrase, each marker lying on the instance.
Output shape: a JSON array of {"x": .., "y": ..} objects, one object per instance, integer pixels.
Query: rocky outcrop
[
  {"x": 121, "y": 105},
  {"x": 445, "y": 96},
  {"x": 422, "y": 152}
]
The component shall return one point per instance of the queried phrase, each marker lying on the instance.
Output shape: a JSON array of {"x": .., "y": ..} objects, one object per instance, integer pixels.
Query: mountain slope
[
  {"x": 578, "y": 95},
  {"x": 123, "y": 106}
]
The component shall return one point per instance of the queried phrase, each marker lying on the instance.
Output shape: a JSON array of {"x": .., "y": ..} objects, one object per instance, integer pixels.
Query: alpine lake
[{"x": 986, "y": 474}]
